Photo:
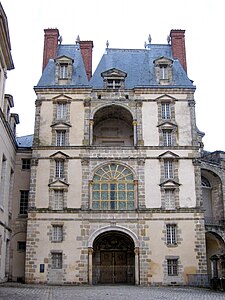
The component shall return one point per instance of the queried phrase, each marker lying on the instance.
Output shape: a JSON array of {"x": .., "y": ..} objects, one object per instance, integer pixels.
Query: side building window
[
  {"x": 24, "y": 195},
  {"x": 26, "y": 163},
  {"x": 113, "y": 188}
]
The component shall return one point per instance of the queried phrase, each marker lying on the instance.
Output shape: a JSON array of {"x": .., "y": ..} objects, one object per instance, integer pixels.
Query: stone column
[
  {"x": 91, "y": 123},
  {"x": 135, "y": 132},
  {"x": 90, "y": 252},
  {"x": 137, "y": 271}
]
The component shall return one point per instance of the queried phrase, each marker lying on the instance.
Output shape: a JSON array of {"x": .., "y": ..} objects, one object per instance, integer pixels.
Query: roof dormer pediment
[
  {"x": 64, "y": 59},
  {"x": 162, "y": 60},
  {"x": 113, "y": 73}
]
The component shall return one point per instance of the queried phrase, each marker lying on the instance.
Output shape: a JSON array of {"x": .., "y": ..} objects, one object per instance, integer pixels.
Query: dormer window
[
  {"x": 113, "y": 83},
  {"x": 114, "y": 79},
  {"x": 63, "y": 70},
  {"x": 63, "y": 73},
  {"x": 163, "y": 70}
]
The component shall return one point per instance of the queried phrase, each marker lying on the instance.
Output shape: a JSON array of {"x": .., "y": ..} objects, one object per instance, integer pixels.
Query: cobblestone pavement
[{"x": 106, "y": 292}]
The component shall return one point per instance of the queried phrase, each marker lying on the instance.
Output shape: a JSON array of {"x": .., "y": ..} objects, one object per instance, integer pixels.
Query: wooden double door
[
  {"x": 113, "y": 259},
  {"x": 113, "y": 267}
]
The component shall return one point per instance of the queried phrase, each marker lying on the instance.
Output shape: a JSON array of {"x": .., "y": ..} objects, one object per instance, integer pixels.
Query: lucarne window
[{"x": 113, "y": 188}]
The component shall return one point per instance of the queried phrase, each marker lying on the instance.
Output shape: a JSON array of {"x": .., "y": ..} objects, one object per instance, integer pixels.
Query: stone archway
[
  {"x": 113, "y": 258},
  {"x": 215, "y": 252}
]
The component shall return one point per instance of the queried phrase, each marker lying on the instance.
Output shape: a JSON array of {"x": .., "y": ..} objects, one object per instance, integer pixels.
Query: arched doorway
[
  {"x": 113, "y": 126},
  {"x": 215, "y": 251},
  {"x": 113, "y": 258}
]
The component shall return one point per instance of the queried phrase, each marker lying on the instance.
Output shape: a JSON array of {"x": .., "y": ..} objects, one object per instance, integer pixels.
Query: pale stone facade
[{"x": 114, "y": 186}]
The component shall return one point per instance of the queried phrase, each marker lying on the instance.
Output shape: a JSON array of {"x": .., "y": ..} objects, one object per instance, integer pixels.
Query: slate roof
[
  {"x": 79, "y": 77},
  {"x": 25, "y": 141},
  {"x": 137, "y": 63},
  {"x": 139, "y": 66}
]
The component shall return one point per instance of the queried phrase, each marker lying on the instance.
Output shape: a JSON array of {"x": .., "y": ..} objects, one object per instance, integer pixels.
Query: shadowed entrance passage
[{"x": 113, "y": 258}]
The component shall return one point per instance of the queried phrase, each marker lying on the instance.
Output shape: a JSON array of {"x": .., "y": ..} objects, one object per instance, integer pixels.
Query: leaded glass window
[{"x": 113, "y": 188}]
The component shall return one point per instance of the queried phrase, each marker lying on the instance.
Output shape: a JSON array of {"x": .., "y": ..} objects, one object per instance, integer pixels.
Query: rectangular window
[
  {"x": 163, "y": 71},
  {"x": 24, "y": 202},
  {"x": 169, "y": 199},
  {"x": 59, "y": 169},
  {"x": 57, "y": 260},
  {"x": 61, "y": 111},
  {"x": 57, "y": 233},
  {"x": 171, "y": 234},
  {"x": 60, "y": 138},
  {"x": 21, "y": 246},
  {"x": 113, "y": 83},
  {"x": 172, "y": 267},
  {"x": 167, "y": 137},
  {"x": 63, "y": 72},
  {"x": 166, "y": 114},
  {"x": 168, "y": 169},
  {"x": 26, "y": 163},
  {"x": 3, "y": 181},
  {"x": 58, "y": 200}
]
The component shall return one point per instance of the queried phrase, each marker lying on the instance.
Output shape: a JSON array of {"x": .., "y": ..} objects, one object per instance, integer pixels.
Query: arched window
[
  {"x": 205, "y": 182},
  {"x": 113, "y": 188}
]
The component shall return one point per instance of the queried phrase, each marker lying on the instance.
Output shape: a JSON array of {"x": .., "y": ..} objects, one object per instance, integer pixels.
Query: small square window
[
  {"x": 26, "y": 163},
  {"x": 21, "y": 246}
]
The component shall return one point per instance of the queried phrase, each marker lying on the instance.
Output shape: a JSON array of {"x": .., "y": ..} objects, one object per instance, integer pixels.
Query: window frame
[
  {"x": 56, "y": 260},
  {"x": 168, "y": 169},
  {"x": 59, "y": 168},
  {"x": 60, "y": 138},
  {"x": 171, "y": 234},
  {"x": 23, "y": 244},
  {"x": 61, "y": 110},
  {"x": 172, "y": 267},
  {"x": 167, "y": 137},
  {"x": 24, "y": 197},
  {"x": 166, "y": 111},
  {"x": 57, "y": 233},
  {"x": 25, "y": 164}
]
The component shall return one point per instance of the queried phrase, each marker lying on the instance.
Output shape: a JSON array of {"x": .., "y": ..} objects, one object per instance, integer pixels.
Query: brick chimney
[
  {"x": 50, "y": 45},
  {"x": 86, "y": 52},
  {"x": 178, "y": 46}
]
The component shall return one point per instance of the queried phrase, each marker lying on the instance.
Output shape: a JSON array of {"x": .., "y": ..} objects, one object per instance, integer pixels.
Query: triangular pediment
[
  {"x": 58, "y": 184},
  {"x": 168, "y": 154},
  {"x": 112, "y": 73},
  {"x": 60, "y": 125},
  {"x": 170, "y": 184},
  {"x": 167, "y": 125},
  {"x": 64, "y": 59},
  {"x": 165, "y": 98},
  {"x": 61, "y": 97},
  {"x": 59, "y": 155},
  {"x": 163, "y": 60}
]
